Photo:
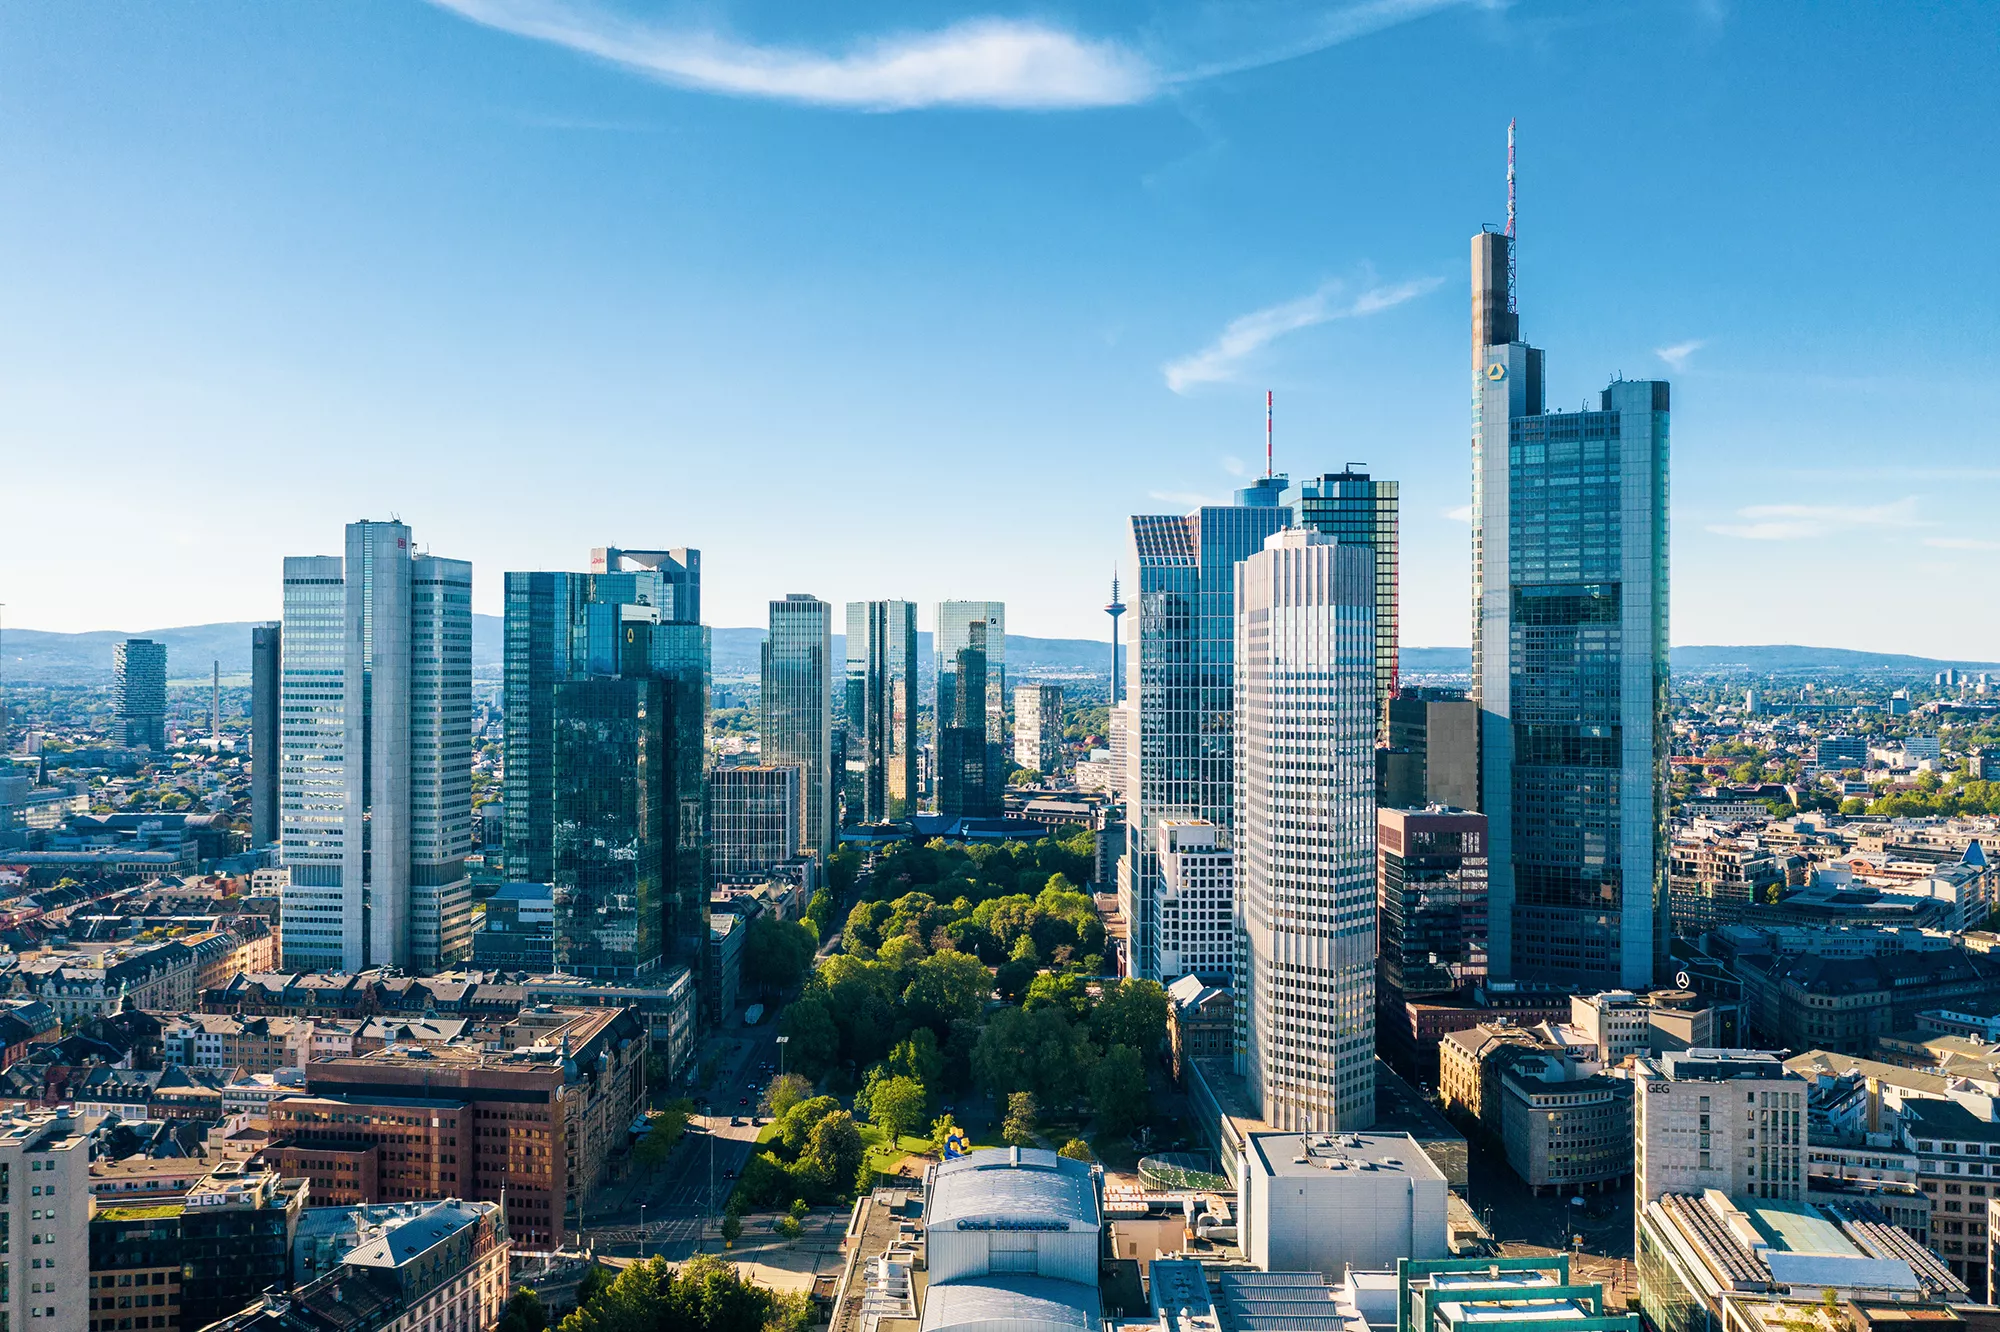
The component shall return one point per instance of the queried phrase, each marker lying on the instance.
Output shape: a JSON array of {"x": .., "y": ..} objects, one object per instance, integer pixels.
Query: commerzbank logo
[{"x": 1496, "y": 371}]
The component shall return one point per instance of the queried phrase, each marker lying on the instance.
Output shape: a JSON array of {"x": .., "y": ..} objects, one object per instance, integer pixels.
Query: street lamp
[
  {"x": 642, "y": 1232},
  {"x": 783, "y": 1041}
]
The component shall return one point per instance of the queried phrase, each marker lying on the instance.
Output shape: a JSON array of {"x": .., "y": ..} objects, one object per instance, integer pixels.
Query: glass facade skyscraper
[
  {"x": 881, "y": 707},
  {"x": 634, "y": 617},
  {"x": 1356, "y": 509},
  {"x": 1569, "y": 658},
  {"x": 376, "y": 749},
  {"x": 611, "y": 833},
  {"x": 954, "y": 632},
  {"x": 795, "y": 710},
  {"x": 266, "y": 653},
  {"x": 139, "y": 692},
  {"x": 1304, "y": 779},
  {"x": 1180, "y": 687},
  {"x": 969, "y": 765}
]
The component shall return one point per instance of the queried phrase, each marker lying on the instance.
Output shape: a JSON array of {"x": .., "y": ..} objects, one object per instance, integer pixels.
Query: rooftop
[
  {"x": 1020, "y": 1188},
  {"x": 1017, "y": 1302},
  {"x": 1312, "y": 1155}
]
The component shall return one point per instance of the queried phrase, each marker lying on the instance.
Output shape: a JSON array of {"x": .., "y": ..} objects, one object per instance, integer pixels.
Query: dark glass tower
[
  {"x": 266, "y": 642},
  {"x": 881, "y": 707},
  {"x": 139, "y": 692},
  {"x": 1356, "y": 509},
  {"x": 1569, "y": 657},
  {"x": 967, "y": 766}
]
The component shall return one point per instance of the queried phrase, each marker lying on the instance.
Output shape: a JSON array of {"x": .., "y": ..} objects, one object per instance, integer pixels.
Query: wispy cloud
[
  {"x": 1960, "y": 543},
  {"x": 1009, "y": 63},
  {"x": 1799, "y": 522},
  {"x": 1186, "y": 499},
  {"x": 1014, "y": 64},
  {"x": 1234, "y": 465},
  {"x": 1462, "y": 514},
  {"x": 1677, "y": 355},
  {"x": 1248, "y": 334}
]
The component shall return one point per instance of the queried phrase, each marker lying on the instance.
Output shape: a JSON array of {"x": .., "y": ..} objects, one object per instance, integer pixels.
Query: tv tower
[{"x": 1114, "y": 609}]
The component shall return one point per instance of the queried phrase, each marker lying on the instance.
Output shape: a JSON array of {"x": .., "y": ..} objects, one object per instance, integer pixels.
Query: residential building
[
  {"x": 1714, "y": 880},
  {"x": 1438, "y": 729},
  {"x": 376, "y": 784},
  {"x": 1304, "y": 830},
  {"x": 437, "y": 1268},
  {"x": 1569, "y": 656},
  {"x": 1331, "y": 1203},
  {"x": 1848, "y": 1003},
  {"x": 1358, "y": 510},
  {"x": 1430, "y": 903},
  {"x": 1730, "y": 1120},
  {"x": 606, "y": 690},
  {"x": 722, "y": 972},
  {"x": 1180, "y": 701},
  {"x": 139, "y": 693},
  {"x": 881, "y": 706},
  {"x": 795, "y": 710},
  {"x": 1565, "y": 1126},
  {"x": 1958, "y": 1170},
  {"x": 1197, "y": 902},
  {"x": 753, "y": 821},
  {"x": 45, "y": 1174},
  {"x": 266, "y": 676},
  {"x": 1038, "y": 728}
]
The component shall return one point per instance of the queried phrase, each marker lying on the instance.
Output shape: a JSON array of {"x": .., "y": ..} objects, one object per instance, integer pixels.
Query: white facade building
[
  {"x": 1733, "y": 1120},
  {"x": 45, "y": 1184},
  {"x": 1305, "y": 829},
  {"x": 376, "y": 746},
  {"x": 1038, "y": 727},
  {"x": 1197, "y": 902},
  {"x": 1341, "y": 1202}
]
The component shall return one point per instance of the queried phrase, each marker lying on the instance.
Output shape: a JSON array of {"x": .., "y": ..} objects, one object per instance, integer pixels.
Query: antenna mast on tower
[
  {"x": 1512, "y": 243},
  {"x": 1267, "y": 435}
]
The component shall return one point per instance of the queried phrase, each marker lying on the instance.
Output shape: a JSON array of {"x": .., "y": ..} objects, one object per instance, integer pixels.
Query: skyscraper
[
  {"x": 1180, "y": 688},
  {"x": 1305, "y": 830},
  {"x": 139, "y": 692},
  {"x": 634, "y": 617},
  {"x": 969, "y": 762},
  {"x": 795, "y": 711},
  {"x": 1355, "y": 509},
  {"x": 954, "y": 632},
  {"x": 1569, "y": 657},
  {"x": 265, "y": 663},
  {"x": 1430, "y": 911},
  {"x": 753, "y": 820},
  {"x": 376, "y": 747},
  {"x": 1038, "y": 728},
  {"x": 882, "y": 707}
]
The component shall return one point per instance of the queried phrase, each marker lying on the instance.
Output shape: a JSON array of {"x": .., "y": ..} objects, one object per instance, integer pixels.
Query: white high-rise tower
[
  {"x": 376, "y": 745},
  {"x": 1305, "y": 830}
]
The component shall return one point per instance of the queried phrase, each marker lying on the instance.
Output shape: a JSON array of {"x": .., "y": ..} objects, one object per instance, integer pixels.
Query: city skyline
[{"x": 1824, "y": 426}]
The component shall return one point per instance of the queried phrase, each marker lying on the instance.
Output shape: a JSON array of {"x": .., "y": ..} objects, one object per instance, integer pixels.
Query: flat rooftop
[{"x": 1315, "y": 1155}]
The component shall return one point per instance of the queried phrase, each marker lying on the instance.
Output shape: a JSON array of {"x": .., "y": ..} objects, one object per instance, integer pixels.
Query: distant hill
[{"x": 37, "y": 656}]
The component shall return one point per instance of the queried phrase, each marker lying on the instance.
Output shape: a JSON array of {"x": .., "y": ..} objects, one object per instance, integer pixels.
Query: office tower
[
  {"x": 376, "y": 748},
  {"x": 1733, "y": 1120},
  {"x": 1569, "y": 657},
  {"x": 610, "y": 835},
  {"x": 969, "y": 760},
  {"x": 1439, "y": 731},
  {"x": 1305, "y": 830},
  {"x": 753, "y": 820},
  {"x": 1038, "y": 728},
  {"x": 139, "y": 692},
  {"x": 882, "y": 707},
  {"x": 1430, "y": 914},
  {"x": 795, "y": 712},
  {"x": 1197, "y": 902},
  {"x": 1118, "y": 721},
  {"x": 1355, "y": 509},
  {"x": 955, "y": 620},
  {"x": 635, "y": 617},
  {"x": 1180, "y": 688},
  {"x": 265, "y": 659}
]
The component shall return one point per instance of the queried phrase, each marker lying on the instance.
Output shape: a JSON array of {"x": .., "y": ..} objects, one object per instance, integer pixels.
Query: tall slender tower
[
  {"x": 1569, "y": 655},
  {"x": 139, "y": 692},
  {"x": 1356, "y": 509},
  {"x": 1305, "y": 830},
  {"x": 795, "y": 711},
  {"x": 265, "y": 653},
  {"x": 881, "y": 706},
  {"x": 1114, "y": 608}
]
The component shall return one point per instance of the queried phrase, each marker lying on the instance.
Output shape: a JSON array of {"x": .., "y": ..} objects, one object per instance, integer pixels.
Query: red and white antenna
[
  {"x": 1512, "y": 243},
  {"x": 1267, "y": 435}
]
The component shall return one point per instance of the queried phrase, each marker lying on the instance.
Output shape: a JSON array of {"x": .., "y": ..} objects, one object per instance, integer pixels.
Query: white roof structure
[
  {"x": 1012, "y": 1188},
  {"x": 1013, "y": 1304}
]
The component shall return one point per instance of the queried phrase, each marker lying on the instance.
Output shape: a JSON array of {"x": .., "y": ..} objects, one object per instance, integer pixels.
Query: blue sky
[{"x": 924, "y": 303}]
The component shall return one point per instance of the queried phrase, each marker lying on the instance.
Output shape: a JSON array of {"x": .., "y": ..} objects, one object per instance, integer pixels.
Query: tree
[
  {"x": 629, "y": 1303},
  {"x": 841, "y": 869},
  {"x": 1118, "y": 1089},
  {"x": 788, "y": 1227},
  {"x": 663, "y": 1133},
  {"x": 732, "y": 1228},
  {"x": 946, "y": 986},
  {"x": 1013, "y": 979},
  {"x": 796, "y": 1125},
  {"x": 1076, "y": 1149},
  {"x": 778, "y": 954},
  {"x": 917, "y": 1056},
  {"x": 524, "y": 1313},
  {"x": 1040, "y": 1051},
  {"x": 815, "y": 1037},
  {"x": 941, "y": 1130},
  {"x": 897, "y": 1106},
  {"x": 1019, "y": 1128},
  {"x": 834, "y": 1150},
  {"x": 785, "y": 1091},
  {"x": 1065, "y": 991},
  {"x": 1134, "y": 1013}
]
